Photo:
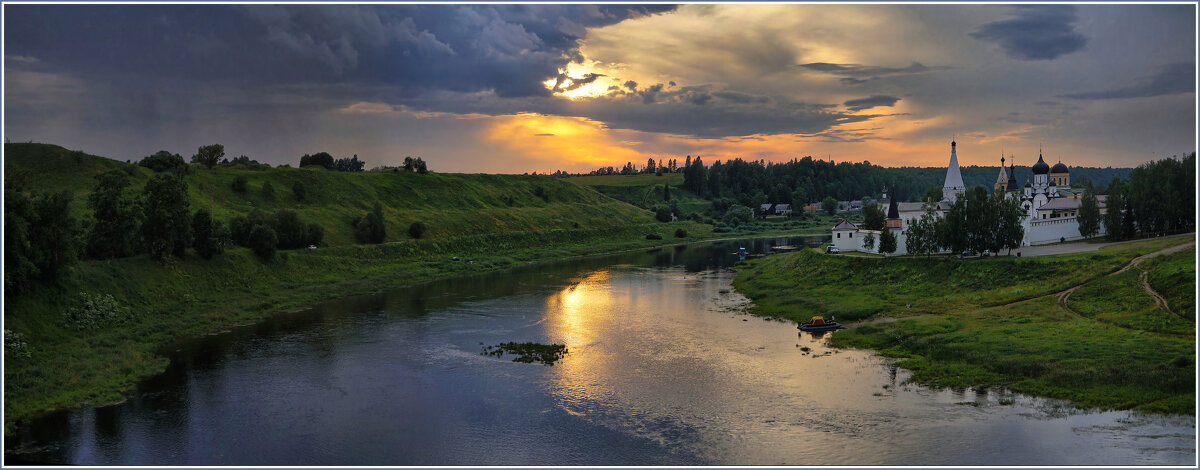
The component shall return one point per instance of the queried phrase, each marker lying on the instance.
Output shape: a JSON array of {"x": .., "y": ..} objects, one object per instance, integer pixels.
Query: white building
[{"x": 1051, "y": 207}]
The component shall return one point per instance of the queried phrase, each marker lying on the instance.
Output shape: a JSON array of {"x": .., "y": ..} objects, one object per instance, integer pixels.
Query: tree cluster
[
  {"x": 265, "y": 233},
  {"x": 40, "y": 236},
  {"x": 975, "y": 221},
  {"x": 1158, "y": 198},
  {"x": 415, "y": 164},
  {"x": 164, "y": 161},
  {"x": 371, "y": 228}
]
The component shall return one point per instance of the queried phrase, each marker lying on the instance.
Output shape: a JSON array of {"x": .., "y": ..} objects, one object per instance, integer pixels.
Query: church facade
[{"x": 1050, "y": 204}]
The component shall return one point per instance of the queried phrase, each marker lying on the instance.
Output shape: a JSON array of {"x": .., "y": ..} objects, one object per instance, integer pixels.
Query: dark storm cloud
[
  {"x": 854, "y": 74},
  {"x": 871, "y": 102},
  {"x": 673, "y": 111},
  {"x": 574, "y": 83},
  {"x": 1174, "y": 78},
  {"x": 510, "y": 49},
  {"x": 1037, "y": 32}
]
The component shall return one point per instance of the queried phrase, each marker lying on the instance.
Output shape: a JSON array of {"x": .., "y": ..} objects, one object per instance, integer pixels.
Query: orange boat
[{"x": 818, "y": 324}]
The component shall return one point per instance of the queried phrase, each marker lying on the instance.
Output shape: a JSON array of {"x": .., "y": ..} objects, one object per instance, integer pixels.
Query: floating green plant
[{"x": 528, "y": 352}]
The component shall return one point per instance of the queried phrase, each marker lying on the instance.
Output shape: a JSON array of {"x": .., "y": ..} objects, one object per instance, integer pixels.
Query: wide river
[{"x": 663, "y": 369}]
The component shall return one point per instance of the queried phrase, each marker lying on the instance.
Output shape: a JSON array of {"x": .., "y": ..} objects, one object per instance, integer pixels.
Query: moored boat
[{"x": 818, "y": 324}]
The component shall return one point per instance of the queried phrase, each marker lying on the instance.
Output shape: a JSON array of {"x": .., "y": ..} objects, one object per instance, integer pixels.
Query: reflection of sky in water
[{"x": 662, "y": 369}]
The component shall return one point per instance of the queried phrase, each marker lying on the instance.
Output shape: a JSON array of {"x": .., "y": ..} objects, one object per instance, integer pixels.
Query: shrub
[
  {"x": 95, "y": 311},
  {"x": 416, "y": 229},
  {"x": 240, "y": 226},
  {"x": 299, "y": 191},
  {"x": 290, "y": 232},
  {"x": 14, "y": 344},
  {"x": 370, "y": 227},
  {"x": 263, "y": 241},
  {"x": 208, "y": 236},
  {"x": 164, "y": 161},
  {"x": 239, "y": 184},
  {"x": 268, "y": 191},
  {"x": 653, "y": 236},
  {"x": 662, "y": 213},
  {"x": 680, "y": 233},
  {"x": 316, "y": 234}
]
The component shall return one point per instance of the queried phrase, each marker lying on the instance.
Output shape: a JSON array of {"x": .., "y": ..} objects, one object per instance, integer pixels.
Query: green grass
[
  {"x": 645, "y": 191},
  {"x": 1174, "y": 277},
  {"x": 1035, "y": 347},
  {"x": 992, "y": 321},
  {"x": 448, "y": 204},
  {"x": 1119, "y": 300}
]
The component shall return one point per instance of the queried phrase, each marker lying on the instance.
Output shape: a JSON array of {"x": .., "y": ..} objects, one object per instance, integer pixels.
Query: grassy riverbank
[
  {"x": 188, "y": 297},
  {"x": 988, "y": 322},
  {"x": 449, "y": 204}
]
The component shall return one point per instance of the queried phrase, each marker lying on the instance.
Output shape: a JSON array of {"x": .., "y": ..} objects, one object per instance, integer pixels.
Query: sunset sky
[{"x": 519, "y": 88}]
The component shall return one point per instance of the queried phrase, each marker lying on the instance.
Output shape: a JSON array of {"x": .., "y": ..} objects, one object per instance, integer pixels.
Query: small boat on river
[{"x": 819, "y": 324}]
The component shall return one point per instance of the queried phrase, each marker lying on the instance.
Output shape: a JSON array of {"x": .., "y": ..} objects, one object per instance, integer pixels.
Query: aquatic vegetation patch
[{"x": 528, "y": 352}]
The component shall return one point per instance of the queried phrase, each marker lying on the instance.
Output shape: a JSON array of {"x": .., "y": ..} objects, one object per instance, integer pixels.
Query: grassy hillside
[
  {"x": 448, "y": 204},
  {"x": 996, "y": 321},
  {"x": 645, "y": 191}
]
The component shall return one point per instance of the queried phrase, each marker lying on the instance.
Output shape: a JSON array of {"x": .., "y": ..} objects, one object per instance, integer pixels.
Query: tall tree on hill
[
  {"x": 873, "y": 217},
  {"x": 921, "y": 236},
  {"x": 321, "y": 159},
  {"x": 1113, "y": 215},
  {"x": 114, "y": 232},
  {"x": 208, "y": 236},
  {"x": 952, "y": 229},
  {"x": 166, "y": 220},
  {"x": 1089, "y": 213},
  {"x": 887, "y": 242},
  {"x": 1010, "y": 232},
  {"x": 666, "y": 192},
  {"x": 209, "y": 155},
  {"x": 1128, "y": 224},
  {"x": 40, "y": 236}
]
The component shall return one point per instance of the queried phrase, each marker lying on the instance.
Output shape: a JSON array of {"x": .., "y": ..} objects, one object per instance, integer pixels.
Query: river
[{"x": 663, "y": 369}]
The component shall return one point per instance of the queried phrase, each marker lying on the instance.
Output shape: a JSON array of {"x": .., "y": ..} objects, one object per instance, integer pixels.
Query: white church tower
[{"x": 954, "y": 182}]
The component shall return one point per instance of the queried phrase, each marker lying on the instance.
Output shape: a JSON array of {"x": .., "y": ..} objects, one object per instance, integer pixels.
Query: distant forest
[{"x": 810, "y": 180}]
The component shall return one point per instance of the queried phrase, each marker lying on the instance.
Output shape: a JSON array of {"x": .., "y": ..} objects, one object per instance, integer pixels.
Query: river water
[{"x": 663, "y": 369}]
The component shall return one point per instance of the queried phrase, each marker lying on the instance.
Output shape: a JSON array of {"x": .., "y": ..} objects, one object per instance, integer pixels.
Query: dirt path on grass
[
  {"x": 1158, "y": 299},
  {"x": 1065, "y": 295}
]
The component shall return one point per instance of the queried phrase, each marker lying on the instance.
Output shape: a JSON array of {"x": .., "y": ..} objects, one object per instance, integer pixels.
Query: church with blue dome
[{"x": 1051, "y": 205}]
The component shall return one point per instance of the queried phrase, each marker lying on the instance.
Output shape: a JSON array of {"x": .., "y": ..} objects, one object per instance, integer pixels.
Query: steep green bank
[
  {"x": 448, "y": 204},
  {"x": 61, "y": 367},
  {"x": 646, "y": 191},
  {"x": 985, "y": 322}
]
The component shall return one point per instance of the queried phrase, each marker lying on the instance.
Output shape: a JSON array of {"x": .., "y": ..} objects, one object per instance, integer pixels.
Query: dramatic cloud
[
  {"x": 855, "y": 74},
  {"x": 871, "y": 102},
  {"x": 1038, "y": 32},
  {"x": 491, "y": 87},
  {"x": 1171, "y": 79},
  {"x": 511, "y": 49}
]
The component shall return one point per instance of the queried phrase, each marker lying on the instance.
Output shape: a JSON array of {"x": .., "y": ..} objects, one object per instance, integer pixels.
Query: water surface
[{"x": 663, "y": 369}]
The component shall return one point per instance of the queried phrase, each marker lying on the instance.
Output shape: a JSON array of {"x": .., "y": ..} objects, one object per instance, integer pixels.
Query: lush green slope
[
  {"x": 996, "y": 321},
  {"x": 448, "y": 204},
  {"x": 1174, "y": 277},
  {"x": 646, "y": 191}
]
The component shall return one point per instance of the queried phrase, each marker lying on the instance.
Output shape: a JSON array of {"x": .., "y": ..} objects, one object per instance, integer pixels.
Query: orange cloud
[{"x": 565, "y": 141}]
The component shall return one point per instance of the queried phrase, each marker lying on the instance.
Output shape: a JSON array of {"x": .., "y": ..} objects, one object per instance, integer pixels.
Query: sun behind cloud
[{"x": 564, "y": 141}]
